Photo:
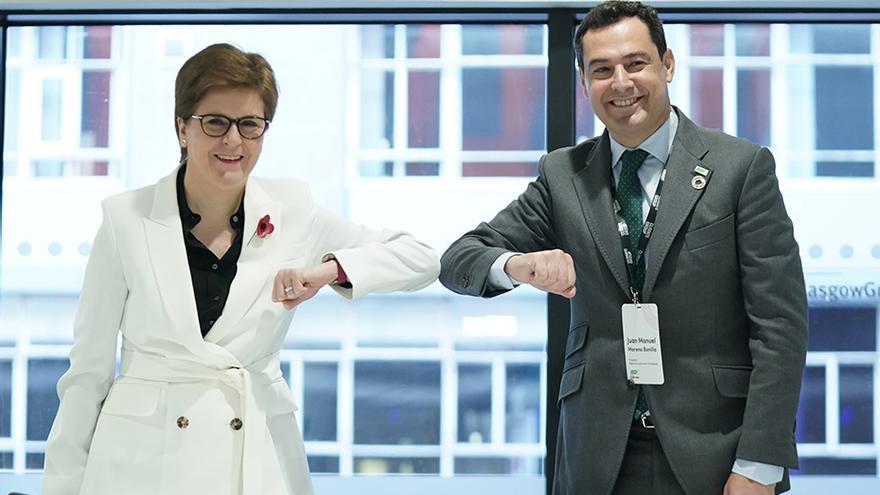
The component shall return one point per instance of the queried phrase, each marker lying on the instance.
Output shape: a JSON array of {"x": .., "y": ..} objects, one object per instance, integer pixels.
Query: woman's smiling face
[{"x": 224, "y": 162}]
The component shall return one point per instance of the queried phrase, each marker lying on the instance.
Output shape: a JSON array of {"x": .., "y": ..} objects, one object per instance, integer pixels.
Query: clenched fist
[
  {"x": 551, "y": 271},
  {"x": 295, "y": 285}
]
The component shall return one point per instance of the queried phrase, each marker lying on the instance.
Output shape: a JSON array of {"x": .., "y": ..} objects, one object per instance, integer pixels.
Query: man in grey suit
[{"x": 656, "y": 226}]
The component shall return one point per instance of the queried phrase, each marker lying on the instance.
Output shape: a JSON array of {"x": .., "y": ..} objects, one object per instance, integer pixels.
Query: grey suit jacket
[{"x": 723, "y": 268}]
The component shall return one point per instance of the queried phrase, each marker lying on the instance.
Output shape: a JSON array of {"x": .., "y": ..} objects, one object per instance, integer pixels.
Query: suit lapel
[
  {"x": 164, "y": 235},
  {"x": 678, "y": 196},
  {"x": 255, "y": 264},
  {"x": 593, "y": 187}
]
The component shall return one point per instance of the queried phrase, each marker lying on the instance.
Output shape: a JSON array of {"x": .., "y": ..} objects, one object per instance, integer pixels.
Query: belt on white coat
[{"x": 239, "y": 378}]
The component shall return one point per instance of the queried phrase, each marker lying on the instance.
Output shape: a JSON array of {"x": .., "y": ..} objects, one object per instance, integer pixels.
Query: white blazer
[{"x": 190, "y": 415}]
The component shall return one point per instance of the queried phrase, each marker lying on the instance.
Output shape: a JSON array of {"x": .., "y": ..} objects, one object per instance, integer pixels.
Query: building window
[
  {"x": 64, "y": 103},
  {"x": 375, "y": 395},
  {"x": 452, "y": 101}
]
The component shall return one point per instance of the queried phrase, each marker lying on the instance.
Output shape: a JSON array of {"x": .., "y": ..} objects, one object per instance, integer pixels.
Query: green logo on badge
[{"x": 634, "y": 372}]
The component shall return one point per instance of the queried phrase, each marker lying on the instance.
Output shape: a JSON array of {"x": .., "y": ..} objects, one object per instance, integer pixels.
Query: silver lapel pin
[{"x": 698, "y": 181}]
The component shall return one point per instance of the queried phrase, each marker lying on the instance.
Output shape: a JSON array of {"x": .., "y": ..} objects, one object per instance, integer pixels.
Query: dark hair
[
  {"x": 608, "y": 13},
  {"x": 222, "y": 66}
]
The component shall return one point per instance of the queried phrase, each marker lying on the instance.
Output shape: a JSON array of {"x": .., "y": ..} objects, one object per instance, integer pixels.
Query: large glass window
[
  {"x": 805, "y": 90},
  {"x": 448, "y": 120},
  {"x": 451, "y": 100},
  {"x": 373, "y": 117},
  {"x": 808, "y": 92},
  {"x": 61, "y": 82}
]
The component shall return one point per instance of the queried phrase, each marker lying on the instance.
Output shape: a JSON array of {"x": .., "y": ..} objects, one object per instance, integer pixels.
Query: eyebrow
[{"x": 628, "y": 56}]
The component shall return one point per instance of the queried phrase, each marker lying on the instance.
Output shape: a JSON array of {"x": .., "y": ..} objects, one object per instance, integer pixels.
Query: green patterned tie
[{"x": 629, "y": 196}]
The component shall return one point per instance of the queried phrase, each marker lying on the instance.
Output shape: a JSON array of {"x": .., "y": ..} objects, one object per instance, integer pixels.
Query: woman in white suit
[{"x": 199, "y": 272}]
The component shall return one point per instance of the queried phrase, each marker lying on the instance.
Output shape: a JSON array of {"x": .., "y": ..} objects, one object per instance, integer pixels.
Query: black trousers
[{"x": 645, "y": 470}]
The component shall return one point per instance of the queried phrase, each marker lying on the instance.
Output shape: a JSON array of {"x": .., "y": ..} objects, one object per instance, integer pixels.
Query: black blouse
[{"x": 211, "y": 277}]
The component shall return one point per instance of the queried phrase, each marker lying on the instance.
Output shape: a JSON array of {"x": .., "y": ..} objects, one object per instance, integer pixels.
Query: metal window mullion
[
  {"x": 87, "y": 64},
  {"x": 503, "y": 155},
  {"x": 681, "y": 98},
  {"x": 875, "y": 53},
  {"x": 519, "y": 357},
  {"x": 848, "y": 451},
  {"x": 345, "y": 401},
  {"x": 710, "y": 62},
  {"x": 781, "y": 49},
  {"x": 119, "y": 83},
  {"x": 832, "y": 59},
  {"x": 396, "y": 450},
  {"x": 542, "y": 404},
  {"x": 401, "y": 100},
  {"x": 30, "y": 133},
  {"x": 19, "y": 405},
  {"x": 29, "y": 44},
  {"x": 848, "y": 358},
  {"x": 402, "y": 154},
  {"x": 448, "y": 407},
  {"x": 426, "y": 354},
  {"x": 450, "y": 102},
  {"x": 504, "y": 61},
  {"x": 58, "y": 151},
  {"x": 353, "y": 119},
  {"x": 779, "y": 99},
  {"x": 876, "y": 388},
  {"x": 498, "y": 393},
  {"x": 71, "y": 112},
  {"x": 475, "y": 450},
  {"x": 832, "y": 402},
  {"x": 324, "y": 449},
  {"x": 844, "y": 155},
  {"x": 729, "y": 76},
  {"x": 71, "y": 43}
]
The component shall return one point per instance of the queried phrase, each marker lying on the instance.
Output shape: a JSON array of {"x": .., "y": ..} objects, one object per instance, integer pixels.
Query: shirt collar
[
  {"x": 657, "y": 145},
  {"x": 190, "y": 219}
]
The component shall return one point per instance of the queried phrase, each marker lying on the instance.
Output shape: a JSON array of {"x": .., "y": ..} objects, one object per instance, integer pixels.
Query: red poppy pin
[{"x": 264, "y": 227}]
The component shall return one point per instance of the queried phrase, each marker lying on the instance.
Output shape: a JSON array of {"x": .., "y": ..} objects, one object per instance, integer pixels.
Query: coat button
[
  {"x": 182, "y": 422},
  {"x": 235, "y": 424}
]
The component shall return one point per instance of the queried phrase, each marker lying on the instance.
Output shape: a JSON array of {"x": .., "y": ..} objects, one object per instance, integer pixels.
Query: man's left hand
[{"x": 740, "y": 485}]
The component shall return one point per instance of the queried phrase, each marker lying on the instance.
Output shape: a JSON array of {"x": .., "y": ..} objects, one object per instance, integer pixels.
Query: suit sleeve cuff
[
  {"x": 341, "y": 276},
  {"x": 766, "y": 474},
  {"x": 498, "y": 278}
]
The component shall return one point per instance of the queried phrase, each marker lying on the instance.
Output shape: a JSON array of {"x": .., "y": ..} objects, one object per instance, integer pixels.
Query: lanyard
[{"x": 647, "y": 230}]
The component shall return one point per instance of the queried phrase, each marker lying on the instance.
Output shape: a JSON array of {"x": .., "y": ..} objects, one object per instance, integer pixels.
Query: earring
[{"x": 183, "y": 142}]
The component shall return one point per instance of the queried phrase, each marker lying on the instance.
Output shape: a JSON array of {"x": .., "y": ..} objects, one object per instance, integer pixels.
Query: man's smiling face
[{"x": 626, "y": 79}]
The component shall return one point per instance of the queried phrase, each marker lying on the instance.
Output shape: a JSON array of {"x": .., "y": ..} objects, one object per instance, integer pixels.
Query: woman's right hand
[{"x": 294, "y": 285}]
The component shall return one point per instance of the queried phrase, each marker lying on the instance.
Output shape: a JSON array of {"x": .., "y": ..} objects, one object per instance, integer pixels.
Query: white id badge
[{"x": 641, "y": 344}]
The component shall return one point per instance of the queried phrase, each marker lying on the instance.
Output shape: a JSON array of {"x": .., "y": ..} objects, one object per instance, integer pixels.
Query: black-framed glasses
[{"x": 216, "y": 125}]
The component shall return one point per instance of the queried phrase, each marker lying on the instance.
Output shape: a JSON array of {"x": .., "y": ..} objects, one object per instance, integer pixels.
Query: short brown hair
[
  {"x": 610, "y": 12},
  {"x": 222, "y": 66}
]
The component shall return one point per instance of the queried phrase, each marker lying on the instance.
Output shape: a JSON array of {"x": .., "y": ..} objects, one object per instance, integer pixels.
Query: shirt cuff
[
  {"x": 766, "y": 474},
  {"x": 498, "y": 278},
  {"x": 341, "y": 276}
]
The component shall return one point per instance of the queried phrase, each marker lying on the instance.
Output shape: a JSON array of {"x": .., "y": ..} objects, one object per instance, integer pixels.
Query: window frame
[{"x": 560, "y": 129}]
